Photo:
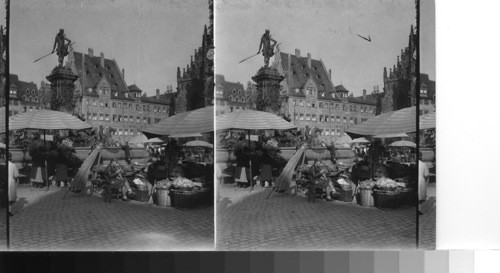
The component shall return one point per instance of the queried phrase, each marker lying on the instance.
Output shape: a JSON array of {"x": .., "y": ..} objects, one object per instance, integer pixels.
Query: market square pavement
[
  {"x": 44, "y": 221},
  {"x": 247, "y": 221}
]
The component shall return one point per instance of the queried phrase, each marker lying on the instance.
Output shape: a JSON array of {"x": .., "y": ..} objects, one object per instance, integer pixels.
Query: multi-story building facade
[
  {"x": 104, "y": 99},
  {"x": 229, "y": 96},
  {"x": 310, "y": 99},
  {"x": 427, "y": 95},
  {"x": 23, "y": 96},
  {"x": 195, "y": 84}
]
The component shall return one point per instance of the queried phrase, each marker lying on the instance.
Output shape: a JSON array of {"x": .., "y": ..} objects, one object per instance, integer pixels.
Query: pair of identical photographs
[{"x": 202, "y": 125}]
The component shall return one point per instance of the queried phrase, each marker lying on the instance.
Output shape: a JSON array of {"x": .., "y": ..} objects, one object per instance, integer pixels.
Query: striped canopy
[
  {"x": 46, "y": 120},
  {"x": 2, "y": 120},
  {"x": 187, "y": 123},
  {"x": 345, "y": 139},
  {"x": 199, "y": 143},
  {"x": 138, "y": 139},
  {"x": 403, "y": 143},
  {"x": 428, "y": 121},
  {"x": 252, "y": 120},
  {"x": 392, "y": 123},
  {"x": 154, "y": 140},
  {"x": 360, "y": 140}
]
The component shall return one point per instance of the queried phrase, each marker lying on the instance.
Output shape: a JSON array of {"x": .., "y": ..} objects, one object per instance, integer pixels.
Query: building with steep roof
[
  {"x": 310, "y": 99},
  {"x": 229, "y": 96},
  {"x": 23, "y": 96},
  {"x": 104, "y": 98}
]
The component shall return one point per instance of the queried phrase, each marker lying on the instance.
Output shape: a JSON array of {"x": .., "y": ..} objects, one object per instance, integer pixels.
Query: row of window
[
  {"x": 127, "y": 132},
  {"x": 331, "y": 132},
  {"x": 322, "y": 118},
  {"x": 237, "y": 99},
  {"x": 125, "y": 105},
  {"x": 336, "y": 106},
  {"x": 29, "y": 98},
  {"x": 120, "y": 118}
]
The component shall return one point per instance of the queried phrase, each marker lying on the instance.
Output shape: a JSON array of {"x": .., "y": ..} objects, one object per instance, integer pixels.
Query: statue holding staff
[
  {"x": 266, "y": 46},
  {"x": 61, "y": 45}
]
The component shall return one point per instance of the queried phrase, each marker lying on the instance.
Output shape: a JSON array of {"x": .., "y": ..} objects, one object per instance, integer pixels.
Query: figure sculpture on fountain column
[
  {"x": 266, "y": 47},
  {"x": 61, "y": 45}
]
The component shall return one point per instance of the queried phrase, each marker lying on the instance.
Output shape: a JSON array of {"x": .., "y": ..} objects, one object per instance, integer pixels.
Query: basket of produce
[
  {"x": 140, "y": 195},
  {"x": 365, "y": 193},
  {"x": 344, "y": 187},
  {"x": 386, "y": 198},
  {"x": 162, "y": 197}
]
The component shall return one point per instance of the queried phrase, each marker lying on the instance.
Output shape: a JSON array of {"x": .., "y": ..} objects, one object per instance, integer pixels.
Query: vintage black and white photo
[
  {"x": 316, "y": 126},
  {"x": 111, "y": 125}
]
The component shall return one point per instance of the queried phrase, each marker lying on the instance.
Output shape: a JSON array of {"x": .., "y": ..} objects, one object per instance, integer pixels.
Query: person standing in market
[
  {"x": 12, "y": 183},
  {"x": 333, "y": 155},
  {"x": 423, "y": 176},
  {"x": 126, "y": 149}
]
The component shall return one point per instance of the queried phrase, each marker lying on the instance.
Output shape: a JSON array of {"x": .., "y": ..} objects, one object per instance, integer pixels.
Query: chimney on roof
[
  {"x": 330, "y": 74},
  {"x": 102, "y": 59},
  {"x": 123, "y": 74},
  {"x": 157, "y": 94},
  {"x": 309, "y": 60},
  {"x": 297, "y": 53},
  {"x": 91, "y": 52},
  {"x": 364, "y": 94}
]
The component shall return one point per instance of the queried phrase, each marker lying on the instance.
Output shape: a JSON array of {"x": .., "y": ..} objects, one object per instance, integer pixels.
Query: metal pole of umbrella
[
  {"x": 250, "y": 162},
  {"x": 45, "y": 152}
]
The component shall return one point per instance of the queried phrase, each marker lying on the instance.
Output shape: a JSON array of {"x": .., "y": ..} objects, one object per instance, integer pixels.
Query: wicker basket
[
  {"x": 365, "y": 197},
  {"x": 344, "y": 196},
  {"x": 408, "y": 197},
  {"x": 141, "y": 195},
  {"x": 162, "y": 197},
  {"x": 184, "y": 199},
  {"x": 386, "y": 199}
]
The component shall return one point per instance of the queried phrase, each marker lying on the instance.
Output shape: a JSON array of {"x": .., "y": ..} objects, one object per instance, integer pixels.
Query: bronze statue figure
[
  {"x": 266, "y": 47},
  {"x": 61, "y": 44}
]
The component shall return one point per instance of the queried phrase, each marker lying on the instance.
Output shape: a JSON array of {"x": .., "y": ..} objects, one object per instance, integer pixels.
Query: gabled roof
[
  {"x": 94, "y": 73},
  {"x": 134, "y": 88},
  {"x": 21, "y": 86},
  {"x": 341, "y": 88},
  {"x": 300, "y": 73}
]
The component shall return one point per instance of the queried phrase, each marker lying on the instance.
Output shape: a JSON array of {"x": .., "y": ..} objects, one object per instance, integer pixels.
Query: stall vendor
[
  {"x": 319, "y": 178},
  {"x": 114, "y": 171}
]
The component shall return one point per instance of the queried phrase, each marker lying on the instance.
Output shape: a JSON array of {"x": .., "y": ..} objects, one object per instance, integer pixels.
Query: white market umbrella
[
  {"x": 403, "y": 143},
  {"x": 199, "y": 143}
]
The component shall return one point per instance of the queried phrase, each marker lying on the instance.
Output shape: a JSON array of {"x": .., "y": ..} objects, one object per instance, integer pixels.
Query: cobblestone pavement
[
  {"x": 427, "y": 225},
  {"x": 247, "y": 221},
  {"x": 45, "y": 221}
]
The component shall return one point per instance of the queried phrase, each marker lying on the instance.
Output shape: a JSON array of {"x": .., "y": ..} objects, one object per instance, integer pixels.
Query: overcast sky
[
  {"x": 428, "y": 38},
  {"x": 326, "y": 29},
  {"x": 148, "y": 39}
]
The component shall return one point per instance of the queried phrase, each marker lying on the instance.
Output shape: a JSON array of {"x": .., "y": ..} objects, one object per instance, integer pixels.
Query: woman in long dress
[{"x": 12, "y": 183}]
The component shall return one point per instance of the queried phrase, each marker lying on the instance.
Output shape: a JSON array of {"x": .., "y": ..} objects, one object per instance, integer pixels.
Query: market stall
[
  {"x": 45, "y": 120},
  {"x": 248, "y": 121},
  {"x": 178, "y": 179}
]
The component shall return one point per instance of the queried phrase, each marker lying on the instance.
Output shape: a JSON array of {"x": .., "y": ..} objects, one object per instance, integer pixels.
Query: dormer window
[{"x": 296, "y": 90}]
